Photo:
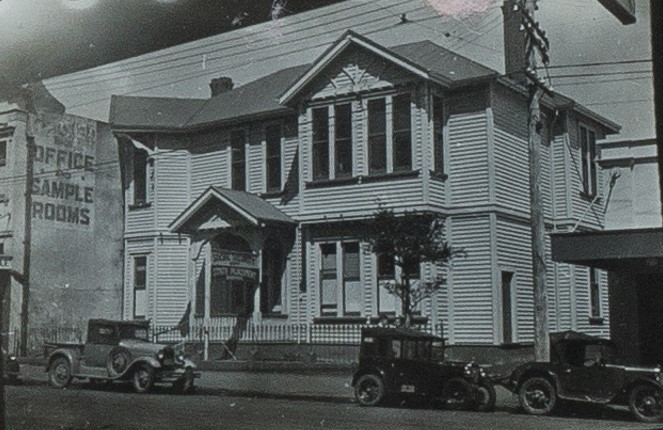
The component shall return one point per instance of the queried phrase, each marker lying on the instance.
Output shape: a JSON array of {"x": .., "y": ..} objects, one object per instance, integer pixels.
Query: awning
[
  {"x": 638, "y": 250},
  {"x": 219, "y": 207}
]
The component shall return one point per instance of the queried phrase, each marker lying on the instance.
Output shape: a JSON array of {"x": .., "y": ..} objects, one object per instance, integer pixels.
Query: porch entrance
[{"x": 234, "y": 276}]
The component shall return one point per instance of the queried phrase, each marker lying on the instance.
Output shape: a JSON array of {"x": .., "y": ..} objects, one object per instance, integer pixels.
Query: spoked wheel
[
  {"x": 537, "y": 396},
  {"x": 118, "y": 361},
  {"x": 143, "y": 378},
  {"x": 185, "y": 384},
  {"x": 458, "y": 394},
  {"x": 369, "y": 390},
  {"x": 485, "y": 397},
  {"x": 646, "y": 403},
  {"x": 59, "y": 374}
]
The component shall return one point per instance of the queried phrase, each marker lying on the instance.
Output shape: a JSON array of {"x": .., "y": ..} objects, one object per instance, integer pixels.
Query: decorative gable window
[
  {"x": 238, "y": 159},
  {"x": 273, "y": 149},
  {"x": 588, "y": 161},
  {"x": 402, "y": 133},
  {"x": 320, "y": 143},
  {"x": 343, "y": 140}
]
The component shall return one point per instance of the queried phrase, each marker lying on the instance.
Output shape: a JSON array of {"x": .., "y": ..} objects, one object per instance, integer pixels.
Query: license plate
[{"x": 407, "y": 388}]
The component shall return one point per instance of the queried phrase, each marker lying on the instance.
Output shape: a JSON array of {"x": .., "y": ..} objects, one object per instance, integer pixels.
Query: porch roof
[
  {"x": 250, "y": 207},
  {"x": 637, "y": 250}
]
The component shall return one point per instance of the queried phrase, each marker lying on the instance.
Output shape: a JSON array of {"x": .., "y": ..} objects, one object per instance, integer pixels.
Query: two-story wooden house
[{"x": 248, "y": 202}]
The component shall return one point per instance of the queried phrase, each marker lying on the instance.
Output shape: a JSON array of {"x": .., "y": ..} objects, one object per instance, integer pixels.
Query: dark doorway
[{"x": 650, "y": 317}]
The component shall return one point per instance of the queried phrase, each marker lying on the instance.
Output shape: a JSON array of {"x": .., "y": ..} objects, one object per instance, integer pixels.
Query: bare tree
[{"x": 410, "y": 239}]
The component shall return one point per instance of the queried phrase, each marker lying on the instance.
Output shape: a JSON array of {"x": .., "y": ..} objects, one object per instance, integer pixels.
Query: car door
[
  {"x": 101, "y": 339},
  {"x": 585, "y": 376}
]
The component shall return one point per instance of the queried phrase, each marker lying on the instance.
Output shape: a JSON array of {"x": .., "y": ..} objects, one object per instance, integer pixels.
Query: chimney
[
  {"x": 514, "y": 42},
  {"x": 221, "y": 85}
]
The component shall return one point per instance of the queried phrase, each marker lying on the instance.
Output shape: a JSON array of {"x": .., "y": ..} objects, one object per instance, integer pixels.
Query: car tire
[
  {"x": 59, "y": 373},
  {"x": 185, "y": 384},
  {"x": 119, "y": 359},
  {"x": 485, "y": 397},
  {"x": 458, "y": 394},
  {"x": 369, "y": 390},
  {"x": 646, "y": 403},
  {"x": 537, "y": 396},
  {"x": 143, "y": 378}
]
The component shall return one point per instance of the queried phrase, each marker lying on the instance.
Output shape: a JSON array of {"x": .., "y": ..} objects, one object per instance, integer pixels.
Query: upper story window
[
  {"x": 273, "y": 165},
  {"x": 438, "y": 138},
  {"x": 588, "y": 161},
  {"x": 320, "y": 143},
  {"x": 594, "y": 294},
  {"x": 343, "y": 140},
  {"x": 402, "y": 133},
  {"x": 3, "y": 153},
  {"x": 377, "y": 136},
  {"x": 238, "y": 159},
  {"x": 140, "y": 173}
]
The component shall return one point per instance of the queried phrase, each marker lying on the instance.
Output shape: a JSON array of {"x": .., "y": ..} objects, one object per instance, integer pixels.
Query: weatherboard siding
[
  {"x": 172, "y": 186},
  {"x": 172, "y": 277},
  {"x": 140, "y": 220},
  {"x": 468, "y": 159},
  {"x": 471, "y": 286}
]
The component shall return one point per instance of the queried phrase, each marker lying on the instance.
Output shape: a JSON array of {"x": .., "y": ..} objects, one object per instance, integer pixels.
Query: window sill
[
  {"x": 339, "y": 320},
  {"x": 275, "y": 316},
  {"x": 440, "y": 176},
  {"x": 589, "y": 197},
  {"x": 272, "y": 193},
  {"x": 389, "y": 176},
  {"x": 321, "y": 183},
  {"x": 596, "y": 320},
  {"x": 136, "y": 206}
]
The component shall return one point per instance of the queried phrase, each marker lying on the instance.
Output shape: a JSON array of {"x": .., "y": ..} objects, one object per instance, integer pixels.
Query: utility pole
[{"x": 536, "y": 43}]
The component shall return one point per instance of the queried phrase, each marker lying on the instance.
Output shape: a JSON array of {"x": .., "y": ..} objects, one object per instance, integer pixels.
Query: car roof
[
  {"x": 138, "y": 323},
  {"x": 575, "y": 336},
  {"x": 397, "y": 332}
]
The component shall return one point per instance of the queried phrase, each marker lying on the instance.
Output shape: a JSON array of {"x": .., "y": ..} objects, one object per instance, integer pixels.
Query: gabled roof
[
  {"x": 150, "y": 113},
  {"x": 250, "y": 100},
  {"x": 249, "y": 206},
  {"x": 424, "y": 59}
]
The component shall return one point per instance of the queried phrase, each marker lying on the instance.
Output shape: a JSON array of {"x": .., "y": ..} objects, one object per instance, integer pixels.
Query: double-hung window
[
  {"x": 238, "y": 159},
  {"x": 594, "y": 294},
  {"x": 273, "y": 150},
  {"x": 343, "y": 140},
  {"x": 402, "y": 132},
  {"x": 588, "y": 161},
  {"x": 140, "y": 176},
  {"x": 320, "y": 143},
  {"x": 386, "y": 272},
  {"x": 377, "y": 136},
  {"x": 3, "y": 153},
  {"x": 438, "y": 138}
]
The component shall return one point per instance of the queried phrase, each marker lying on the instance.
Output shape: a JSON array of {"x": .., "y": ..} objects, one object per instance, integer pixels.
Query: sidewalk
[{"x": 303, "y": 383}]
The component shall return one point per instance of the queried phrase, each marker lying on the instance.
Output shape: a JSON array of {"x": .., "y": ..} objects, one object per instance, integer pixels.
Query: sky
[{"x": 594, "y": 58}]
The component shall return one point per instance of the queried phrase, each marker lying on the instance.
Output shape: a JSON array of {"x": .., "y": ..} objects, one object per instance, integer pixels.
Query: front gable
[{"x": 356, "y": 71}]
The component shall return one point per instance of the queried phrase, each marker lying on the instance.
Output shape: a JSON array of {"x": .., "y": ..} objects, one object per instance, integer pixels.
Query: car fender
[
  {"x": 533, "y": 372},
  {"x": 369, "y": 370},
  {"x": 73, "y": 357},
  {"x": 150, "y": 361},
  {"x": 188, "y": 364},
  {"x": 641, "y": 381}
]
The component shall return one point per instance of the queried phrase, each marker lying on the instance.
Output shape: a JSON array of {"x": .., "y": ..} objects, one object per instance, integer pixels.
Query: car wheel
[
  {"x": 537, "y": 396},
  {"x": 185, "y": 384},
  {"x": 485, "y": 397},
  {"x": 369, "y": 390},
  {"x": 646, "y": 403},
  {"x": 59, "y": 373},
  {"x": 458, "y": 394},
  {"x": 118, "y": 361},
  {"x": 143, "y": 378}
]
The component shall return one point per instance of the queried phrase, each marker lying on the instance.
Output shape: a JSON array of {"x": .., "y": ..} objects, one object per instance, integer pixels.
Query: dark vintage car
[
  {"x": 584, "y": 368},
  {"x": 119, "y": 351},
  {"x": 397, "y": 362},
  {"x": 11, "y": 370}
]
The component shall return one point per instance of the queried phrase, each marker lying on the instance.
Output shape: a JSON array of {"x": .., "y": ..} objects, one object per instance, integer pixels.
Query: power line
[
  {"x": 581, "y": 75},
  {"x": 602, "y": 81},
  {"x": 602, "y": 63},
  {"x": 620, "y": 102}
]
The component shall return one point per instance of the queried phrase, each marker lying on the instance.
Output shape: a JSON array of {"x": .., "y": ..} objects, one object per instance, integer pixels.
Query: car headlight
[
  {"x": 180, "y": 358},
  {"x": 11, "y": 357},
  {"x": 160, "y": 355},
  {"x": 659, "y": 377}
]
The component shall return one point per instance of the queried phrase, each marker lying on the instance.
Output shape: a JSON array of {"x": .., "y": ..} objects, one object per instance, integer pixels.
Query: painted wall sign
[{"x": 63, "y": 173}]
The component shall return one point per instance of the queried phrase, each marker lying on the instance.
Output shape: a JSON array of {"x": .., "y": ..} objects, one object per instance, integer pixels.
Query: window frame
[
  {"x": 589, "y": 169},
  {"x": 594, "y": 284},
  {"x": 439, "y": 142},
  {"x": 508, "y": 300},
  {"x": 275, "y": 158},
  {"x": 139, "y": 287},
  {"x": 346, "y": 142},
  {"x": 379, "y": 137},
  {"x": 4, "y": 152},
  {"x": 345, "y": 278},
  {"x": 141, "y": 165},
  {"x": 320, "y": 139},
  {"x": 238, "y": 160},
  {"x": 326, "y": 274},
  {"x": 401, "y": 132}
]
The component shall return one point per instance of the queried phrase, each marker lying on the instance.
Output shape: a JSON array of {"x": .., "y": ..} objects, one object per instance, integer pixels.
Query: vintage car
[
  {"x": 584, "y": 368},
  {"x": 398, "y": 362},
  {"x": 11, "y": 370},
  {"x": 119, "y": 351}
]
